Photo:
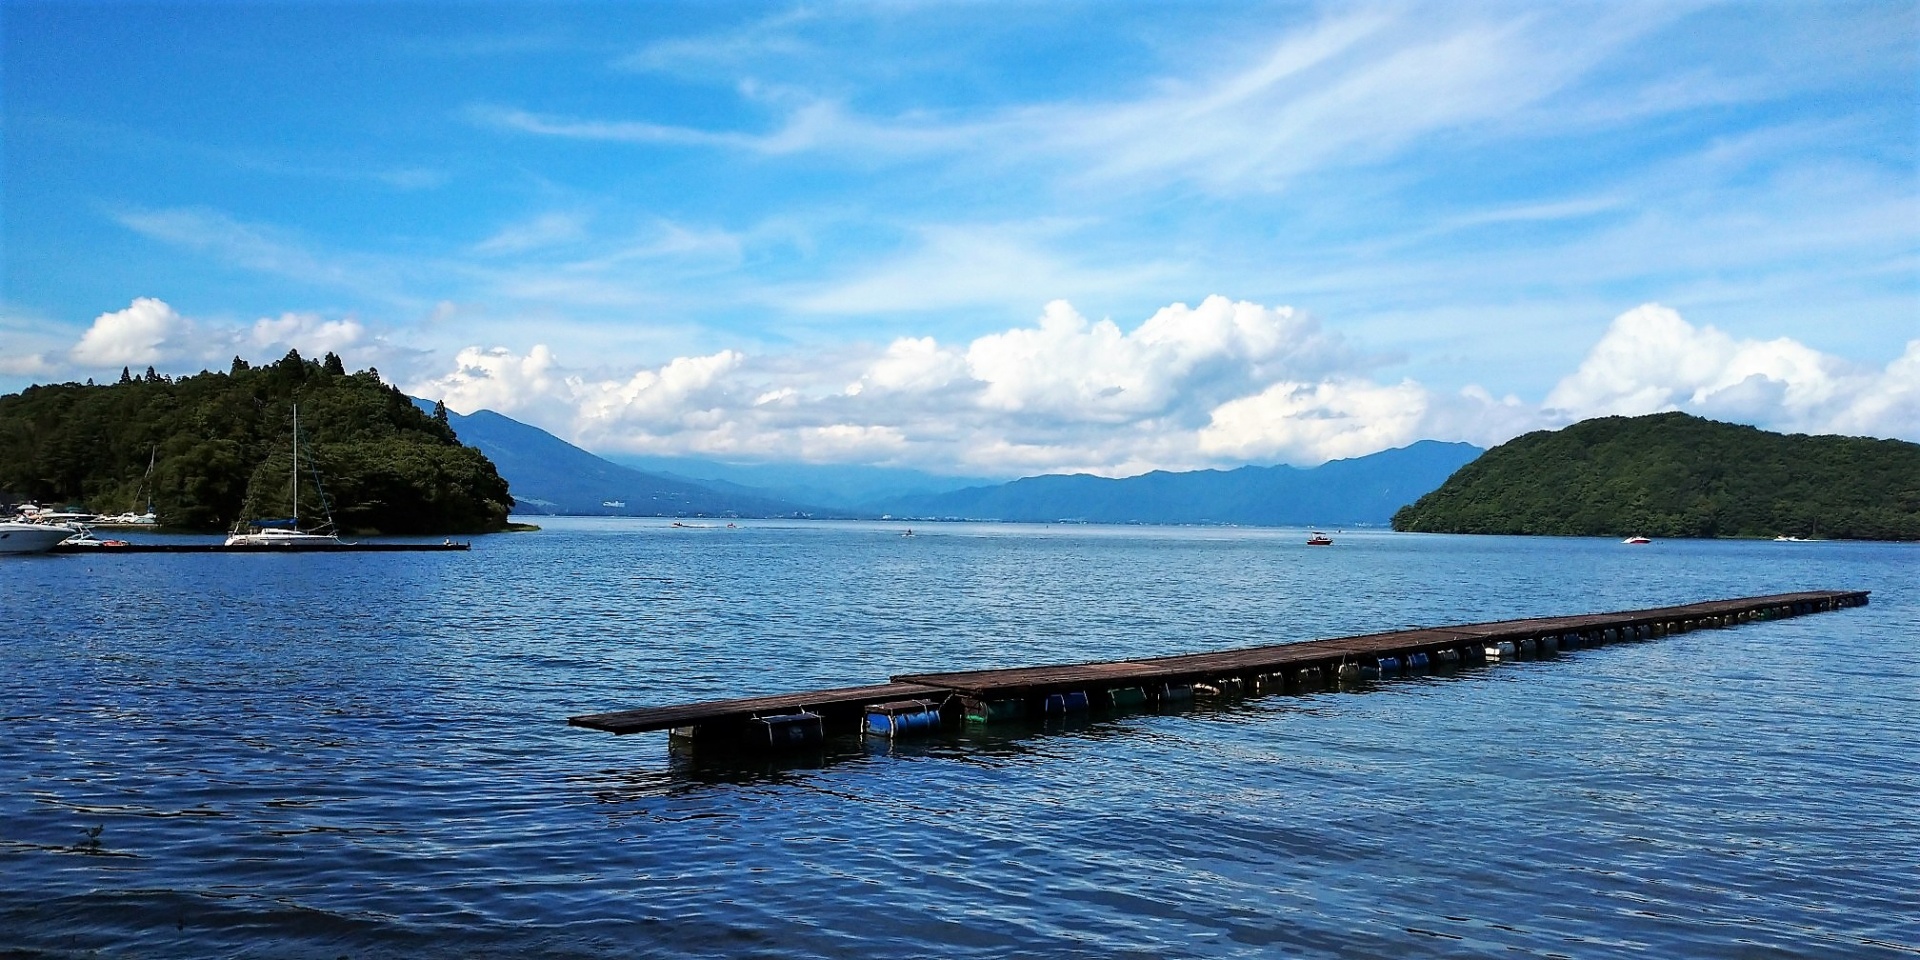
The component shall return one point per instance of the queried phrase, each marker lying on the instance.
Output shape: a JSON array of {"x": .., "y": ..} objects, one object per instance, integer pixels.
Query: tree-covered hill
[
  {"x": 1674, "y": 475},
  {"x": 221, "y": 445}
]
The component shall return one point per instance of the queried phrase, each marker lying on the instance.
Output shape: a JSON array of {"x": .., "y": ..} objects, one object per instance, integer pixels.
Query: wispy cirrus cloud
[
  {"x": 1345, "y": 90},
  {"x": 268, "y": 250}
]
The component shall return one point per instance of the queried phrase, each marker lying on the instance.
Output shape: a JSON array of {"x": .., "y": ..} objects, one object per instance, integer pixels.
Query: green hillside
[
  {"x": 1674, "y": 475},
  {"x": 221, "y": 447}
]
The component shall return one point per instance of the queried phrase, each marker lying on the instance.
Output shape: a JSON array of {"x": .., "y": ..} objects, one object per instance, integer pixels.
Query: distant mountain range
[
  {"x": 1361, "y": 491},
  {"x": 550, "y": 476},
  {"x": 826, "y": 484}
]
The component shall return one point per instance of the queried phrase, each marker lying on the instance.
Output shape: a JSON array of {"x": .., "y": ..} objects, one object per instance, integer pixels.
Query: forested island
[
  {"x": 1675, "y": 475},
  {"x": 214, "y": 449}
]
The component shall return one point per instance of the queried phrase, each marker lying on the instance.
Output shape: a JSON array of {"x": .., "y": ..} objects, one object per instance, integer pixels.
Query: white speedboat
[
  {"x": 1636, "y": 540},
  {"x": 20, "y": 537}
]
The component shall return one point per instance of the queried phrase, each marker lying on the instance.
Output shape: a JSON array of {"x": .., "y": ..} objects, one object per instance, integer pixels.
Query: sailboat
[
  {"x": 287, "y": 532},
  {"x": 131, "y": 519}
]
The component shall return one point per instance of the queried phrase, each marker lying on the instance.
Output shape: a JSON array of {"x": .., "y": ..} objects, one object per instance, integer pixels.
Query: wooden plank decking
[
  {"x": 645, "y": 719},
  {"x": 1016, "y": 683},
  {"x": 377, "y": 547}
]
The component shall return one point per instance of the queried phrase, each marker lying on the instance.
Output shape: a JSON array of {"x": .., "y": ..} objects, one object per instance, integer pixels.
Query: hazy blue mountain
[
  {"x": 825, "y": 484},
  {"x": 1361, "y": 491},
  {"x": 551, "y": 476}
]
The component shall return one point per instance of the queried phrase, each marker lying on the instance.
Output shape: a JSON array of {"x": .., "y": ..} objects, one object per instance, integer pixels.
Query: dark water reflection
[{"x": 367, "y": 756}]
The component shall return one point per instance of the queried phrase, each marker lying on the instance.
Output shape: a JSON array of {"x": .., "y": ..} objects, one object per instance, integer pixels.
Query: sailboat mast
[{"x": 296, "y": 466}]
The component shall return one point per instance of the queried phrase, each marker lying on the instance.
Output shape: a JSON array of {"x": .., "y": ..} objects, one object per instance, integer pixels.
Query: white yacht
[{"x": 17, "y": 536}]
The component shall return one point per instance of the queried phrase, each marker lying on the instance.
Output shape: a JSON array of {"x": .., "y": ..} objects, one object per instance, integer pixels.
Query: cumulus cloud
[
  {"x": 146, "y": 332},
  {"x": 149, "y": 331},
  {"x": 1332, "y": 419},
  {"x": 1219, "y": 383},
  {"x": 311, "y": 334},
  {"x": 1650, "y": 360}
]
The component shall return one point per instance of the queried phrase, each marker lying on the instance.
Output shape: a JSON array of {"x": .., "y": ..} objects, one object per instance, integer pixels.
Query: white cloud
[
  {"x": 151, "y": 332},
  {"x": 309, "y": 333},
  {"x": 970, "y": 265},
  {"x": 1311, "y": 422},
  {"x": 1070, "y": 368},
  {"x": 1650, "y": 360},
  {"x": 543, "y": 231},
  {"x": 500, "y": 381},
  {"x": 148, "y": 331},
  {"x": 1346, "y": 89},
  {"x": 912, "y": 365},
  {"x": 1215, "y": 384},
  {"x": 24, "y": 365}
]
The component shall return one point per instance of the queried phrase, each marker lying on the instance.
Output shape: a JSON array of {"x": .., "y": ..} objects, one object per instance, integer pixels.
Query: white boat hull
[
  {"x": 32, "y": 537},
  {"x": 279, "y": 538}
]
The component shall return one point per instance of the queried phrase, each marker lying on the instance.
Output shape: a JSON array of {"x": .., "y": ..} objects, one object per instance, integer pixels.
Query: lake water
[{"x": 367, "y": 756}]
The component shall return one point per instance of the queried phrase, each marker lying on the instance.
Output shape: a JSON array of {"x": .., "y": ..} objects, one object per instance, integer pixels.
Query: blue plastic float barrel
[
  {"x": 1072, "y": 702},
  {"x": 902, "y": 717}
]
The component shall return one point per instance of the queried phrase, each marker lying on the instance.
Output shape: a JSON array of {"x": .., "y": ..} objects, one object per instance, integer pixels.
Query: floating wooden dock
[
  {"x": 104, "y": 550},
  {"x": 985, "y": 696}
]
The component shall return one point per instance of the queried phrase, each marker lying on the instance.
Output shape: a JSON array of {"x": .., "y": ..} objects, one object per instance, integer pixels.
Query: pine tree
[
  {"x": 333, "y": 366},
  {"x": 440, "y": 412},
  {"x": 126, "y": 375}
]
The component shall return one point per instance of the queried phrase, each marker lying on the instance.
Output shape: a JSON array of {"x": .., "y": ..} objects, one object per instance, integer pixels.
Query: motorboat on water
[
  {"x": 21, "y": 536},
  {"x": 1319, "y": 540},
  {"x": 1636, "y": 540},
  {"x": 85, "y": 539}
]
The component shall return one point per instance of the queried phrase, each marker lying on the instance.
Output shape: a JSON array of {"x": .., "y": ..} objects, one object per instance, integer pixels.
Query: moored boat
[
  {"x": 1319, "y": 540},
  {"x": 287, "y": 532},
  {"x": 19, "y": 536}
]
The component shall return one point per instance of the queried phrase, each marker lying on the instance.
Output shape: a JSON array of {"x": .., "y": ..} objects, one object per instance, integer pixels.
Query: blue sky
[{"x": 986, "y": 237}]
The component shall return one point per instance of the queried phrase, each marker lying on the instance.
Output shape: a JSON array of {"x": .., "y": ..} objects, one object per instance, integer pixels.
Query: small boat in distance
[
  {"x": 1319, "y": 540},
  {"x": 613, "y": 503},
  {"x": 1636, "y": 540},
  {"x": 287, "y": 532},
  {"x": 130, "y": 518}
]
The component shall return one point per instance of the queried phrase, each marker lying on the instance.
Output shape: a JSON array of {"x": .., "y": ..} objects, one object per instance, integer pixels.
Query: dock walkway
[
  {"x": 990, "y": 695},
  {"x": 101, "y": 550}
]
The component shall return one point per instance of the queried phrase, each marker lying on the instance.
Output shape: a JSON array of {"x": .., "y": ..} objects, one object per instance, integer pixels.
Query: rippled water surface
[{"x": 366, "y": 755}]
